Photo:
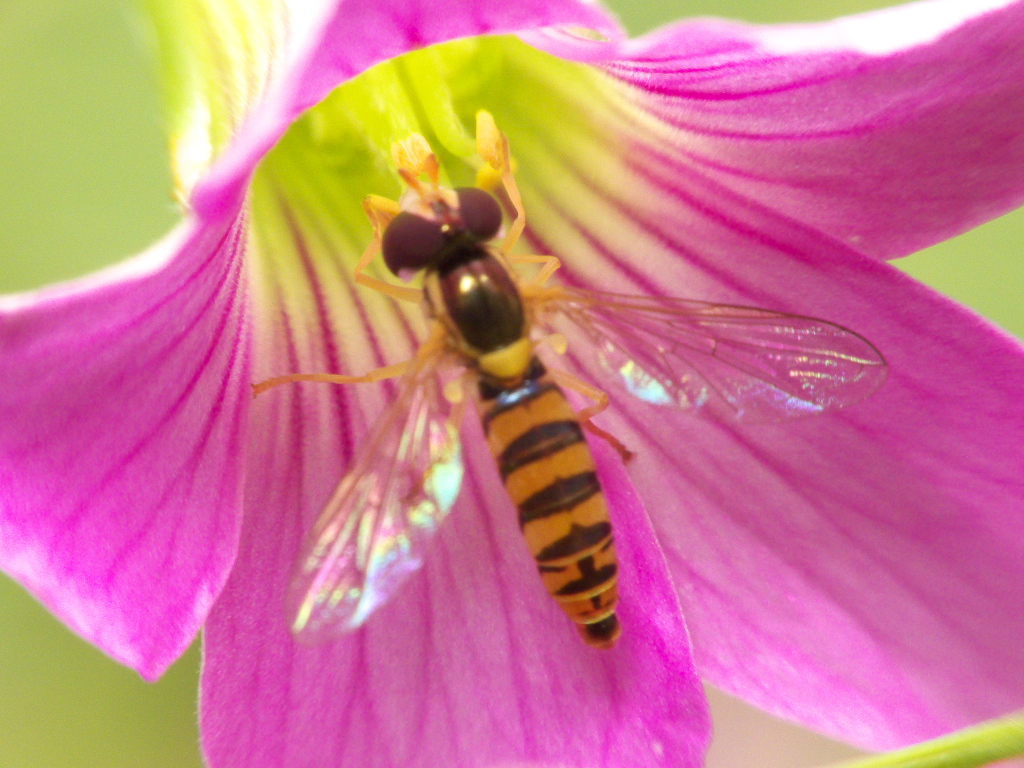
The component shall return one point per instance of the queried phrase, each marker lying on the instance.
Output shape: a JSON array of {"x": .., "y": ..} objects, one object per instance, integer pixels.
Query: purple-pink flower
[{"x": 860, "y": 572}]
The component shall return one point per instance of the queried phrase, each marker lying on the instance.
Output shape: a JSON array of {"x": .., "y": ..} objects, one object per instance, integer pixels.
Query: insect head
[{"x": 413, "y": 242}]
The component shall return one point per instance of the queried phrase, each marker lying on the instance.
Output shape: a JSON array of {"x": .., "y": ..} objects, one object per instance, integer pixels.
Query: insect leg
[
  {"x": 557, "y": 341},
  {"x": 381, "y": 211},
  {"x": 433, "y": 343},
  {"x": 412, "y": 157},
  {"x": 600, "y": 398},
  {"x": 455, "y": 393},
  {"x": 551, "y": 263},
  {"x": 492, "y": 145},
  {"x": 377, "y": 374}
]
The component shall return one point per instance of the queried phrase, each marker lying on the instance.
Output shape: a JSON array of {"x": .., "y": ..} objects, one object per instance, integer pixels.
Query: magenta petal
[
  {"x": 471, "y": 665},
  {"x": 123, "y": 403},
  {"x": 891, "y": 131},
  {"x": 861, "y": 572},
  {"x": 334, "y": 45}
]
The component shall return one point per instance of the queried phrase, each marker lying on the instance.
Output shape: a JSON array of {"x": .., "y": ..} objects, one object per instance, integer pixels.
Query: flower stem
[{"x": 980, "y": 745}]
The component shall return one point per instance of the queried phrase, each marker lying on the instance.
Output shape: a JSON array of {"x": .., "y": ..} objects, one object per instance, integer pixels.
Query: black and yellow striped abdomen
[{"x": 550, "y": 474}]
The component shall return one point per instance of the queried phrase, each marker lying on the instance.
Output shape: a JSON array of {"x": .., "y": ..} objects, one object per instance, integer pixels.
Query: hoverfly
[{"x": 727, "y": 362}]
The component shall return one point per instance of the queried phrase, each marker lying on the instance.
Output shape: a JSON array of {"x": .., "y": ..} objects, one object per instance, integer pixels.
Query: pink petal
[
  {"x": 123, "y": 404},
  {"x": 471, "y": 665},
  {"x": 861, "y": 572},
  {"x": 332, "y": 45},
  {"x": 890, "y": 131}
]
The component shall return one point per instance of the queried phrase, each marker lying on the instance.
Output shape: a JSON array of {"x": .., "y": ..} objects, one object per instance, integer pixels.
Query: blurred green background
[{"x": 83, "y": 183}]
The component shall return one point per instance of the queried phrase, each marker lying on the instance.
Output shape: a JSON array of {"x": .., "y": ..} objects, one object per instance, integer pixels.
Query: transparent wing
[
  {"x": 372, "y": 533},
  {"x": 726, "y": 362}
]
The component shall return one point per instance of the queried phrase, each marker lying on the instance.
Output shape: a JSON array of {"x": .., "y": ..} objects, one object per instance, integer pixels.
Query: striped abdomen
[{"x": 549, "y": 472}]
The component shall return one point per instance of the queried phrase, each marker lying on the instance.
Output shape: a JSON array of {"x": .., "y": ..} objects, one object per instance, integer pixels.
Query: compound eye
[
  {"x": 411, "y": 243},
  {"x": 479, "y": 211}
]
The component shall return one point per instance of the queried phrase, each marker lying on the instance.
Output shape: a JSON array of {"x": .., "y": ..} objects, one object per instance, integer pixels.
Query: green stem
[{"x": 980, "y": 745}]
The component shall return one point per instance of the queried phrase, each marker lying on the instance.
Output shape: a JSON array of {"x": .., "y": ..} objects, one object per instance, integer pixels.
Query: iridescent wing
[
  {"x": 729, "y": 363},
  {"x": 372, "y": 534}
]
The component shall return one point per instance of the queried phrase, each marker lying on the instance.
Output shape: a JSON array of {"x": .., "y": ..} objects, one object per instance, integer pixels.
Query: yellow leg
[
  {"x": 378, "y": 374},
  {"x": 551, "y": 264},
  {"x": 456, "y": 395},
  {"x": 412, "y": 157},
  {"x": 600, "y": 398},
  {"x": 381, "y": 211},
  {"x": 557, "y": 341},
  {"x": 492, "y": 145},
  {"x": 434, "y": 342}
]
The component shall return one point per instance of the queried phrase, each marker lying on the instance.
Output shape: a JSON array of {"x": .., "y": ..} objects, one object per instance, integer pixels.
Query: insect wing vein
[
  {"x": 728, "y": 363},
  {"x": 372, "y": 533}
]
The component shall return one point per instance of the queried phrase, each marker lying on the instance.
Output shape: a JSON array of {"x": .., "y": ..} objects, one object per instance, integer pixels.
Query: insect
[{"x": 726, "y": 362}]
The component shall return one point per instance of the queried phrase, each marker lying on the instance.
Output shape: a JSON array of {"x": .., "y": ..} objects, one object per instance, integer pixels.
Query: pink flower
[{"x": 861, "y": 572}]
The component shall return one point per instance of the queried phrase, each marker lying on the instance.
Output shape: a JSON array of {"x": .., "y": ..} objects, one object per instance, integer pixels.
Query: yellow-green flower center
[{"x": 340, "y": 150}]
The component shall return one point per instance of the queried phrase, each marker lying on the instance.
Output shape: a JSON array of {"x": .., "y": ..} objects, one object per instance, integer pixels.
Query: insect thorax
[{"x": 478, "y": 298}]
